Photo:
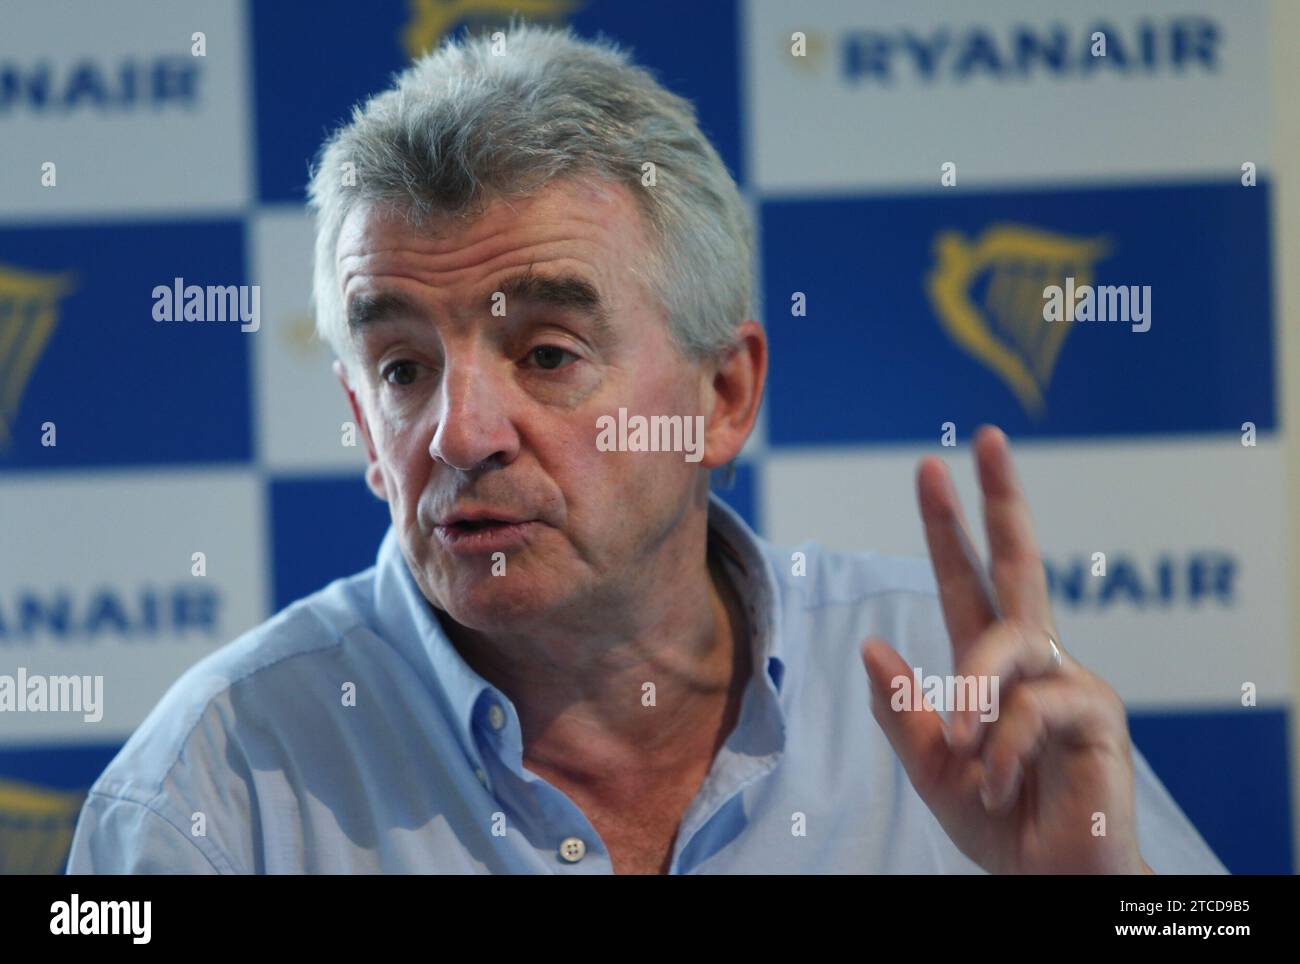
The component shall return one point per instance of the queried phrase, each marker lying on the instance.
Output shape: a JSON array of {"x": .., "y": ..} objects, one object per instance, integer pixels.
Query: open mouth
[{"x": 485, "y": 535}]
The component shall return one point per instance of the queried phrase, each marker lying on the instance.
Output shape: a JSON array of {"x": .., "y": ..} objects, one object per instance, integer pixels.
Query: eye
[
  {"x": 400, "y": 373},
  {"x": 549, "y": 357}
]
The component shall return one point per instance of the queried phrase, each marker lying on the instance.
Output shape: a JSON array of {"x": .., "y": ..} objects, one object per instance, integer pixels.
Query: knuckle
[
  {"x": 1110, "y": 700},
  {"x": 1019, "y": 633}
]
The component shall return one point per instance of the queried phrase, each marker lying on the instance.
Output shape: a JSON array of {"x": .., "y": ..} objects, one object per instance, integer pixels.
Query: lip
[
  {"x": 476, "y": 513},
  {"x": 497, "y": 538}
]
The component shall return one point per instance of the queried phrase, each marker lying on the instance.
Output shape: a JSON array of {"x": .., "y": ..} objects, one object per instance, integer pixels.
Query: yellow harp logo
[
  {"x": 29, "y": 305},
  {"x": 431, "y": 20},
  {"x": 36, "y": 826},
  {"x": 988, "y": 295}
]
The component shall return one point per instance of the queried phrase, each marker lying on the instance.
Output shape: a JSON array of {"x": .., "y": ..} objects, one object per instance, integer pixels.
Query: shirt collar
[
  {"x": 755, "y": 581},
  {"x": 406, "y": 620}
]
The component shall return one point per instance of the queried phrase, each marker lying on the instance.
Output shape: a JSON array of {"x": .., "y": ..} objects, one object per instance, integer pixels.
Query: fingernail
[{"x": 986, "y": 794}]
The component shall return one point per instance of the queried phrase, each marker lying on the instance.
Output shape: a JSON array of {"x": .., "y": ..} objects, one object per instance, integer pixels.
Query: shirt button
[
  {"x": 572, "y": 849},
  {"x": 482, "y": 775},
  {"x": 496, "y": 716}
]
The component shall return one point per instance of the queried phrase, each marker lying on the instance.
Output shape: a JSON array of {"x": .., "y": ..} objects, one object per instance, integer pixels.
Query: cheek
[
  {"x": 404, "y": 459},
  {"x": 392, "y": 417},
  {"x": 581, "y": 472},
  {"x": 615, "y": 497},
  {"x": 631, "y": 491}
]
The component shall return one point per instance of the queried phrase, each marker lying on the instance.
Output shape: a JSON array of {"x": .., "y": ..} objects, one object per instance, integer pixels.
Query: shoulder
[
  {"x": 199, "y": 716},
  {"x": 183, "y": 793}
]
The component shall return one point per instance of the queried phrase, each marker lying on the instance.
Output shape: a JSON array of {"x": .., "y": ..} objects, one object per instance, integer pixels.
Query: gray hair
[{"x": 463, "y": 125}]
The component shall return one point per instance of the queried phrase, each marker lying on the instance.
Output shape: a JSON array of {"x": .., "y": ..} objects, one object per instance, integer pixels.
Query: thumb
[{"x": 914, "y": 730}]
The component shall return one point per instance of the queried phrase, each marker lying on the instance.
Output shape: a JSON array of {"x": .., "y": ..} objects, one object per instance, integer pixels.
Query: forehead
[
  {"x": 591, "y": 215},
  {"x": 575, "y": 245}
]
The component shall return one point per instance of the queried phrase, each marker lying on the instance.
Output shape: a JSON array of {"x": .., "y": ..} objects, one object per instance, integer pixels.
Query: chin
[{"x": 496, "y": 603}]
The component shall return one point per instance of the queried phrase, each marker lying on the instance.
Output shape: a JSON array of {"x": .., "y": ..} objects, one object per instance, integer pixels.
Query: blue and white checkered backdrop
[{"x": 1132, "y": 168}]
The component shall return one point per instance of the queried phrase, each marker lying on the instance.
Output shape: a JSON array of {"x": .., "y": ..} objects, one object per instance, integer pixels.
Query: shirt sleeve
[
  {"x": 116, "y": 835},
  {"x": 1166, "y": 838}
]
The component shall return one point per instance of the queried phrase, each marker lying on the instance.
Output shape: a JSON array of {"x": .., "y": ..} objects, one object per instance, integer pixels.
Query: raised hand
[{"x": 1029, "y": 791}]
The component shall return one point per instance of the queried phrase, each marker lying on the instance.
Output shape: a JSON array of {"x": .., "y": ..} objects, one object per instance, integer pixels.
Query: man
[{"x": 569, "y": 656}]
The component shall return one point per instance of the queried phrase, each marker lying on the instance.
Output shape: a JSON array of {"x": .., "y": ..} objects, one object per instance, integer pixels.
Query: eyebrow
[
  {"x": 562, "y": 291},
  {"x": 367, "y": 310}
]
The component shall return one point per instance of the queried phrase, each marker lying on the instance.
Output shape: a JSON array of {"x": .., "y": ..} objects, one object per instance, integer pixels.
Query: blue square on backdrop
[
  {"x": 927, "y": 308},
  {"x": 298, "y": 103},
  {"x": 322, "y": 529},
  {"x": 1229, "y": 771},
  {"x": 84, "y": 351}
]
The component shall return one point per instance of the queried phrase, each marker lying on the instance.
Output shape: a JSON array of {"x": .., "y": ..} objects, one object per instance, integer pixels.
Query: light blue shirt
[{"x": 253, "y": 762}]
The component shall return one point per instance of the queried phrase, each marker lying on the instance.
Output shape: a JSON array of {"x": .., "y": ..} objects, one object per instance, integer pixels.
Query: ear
[
  {"x": 737, "y": 389},
  {"x": 374, "y": 472}
]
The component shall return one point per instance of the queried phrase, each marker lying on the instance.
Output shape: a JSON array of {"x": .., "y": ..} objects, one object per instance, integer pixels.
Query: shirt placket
[{"x": 539, "y": 815}]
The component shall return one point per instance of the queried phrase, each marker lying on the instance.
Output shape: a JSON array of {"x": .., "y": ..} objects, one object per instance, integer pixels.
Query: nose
[{"x": 474, "y": 427}]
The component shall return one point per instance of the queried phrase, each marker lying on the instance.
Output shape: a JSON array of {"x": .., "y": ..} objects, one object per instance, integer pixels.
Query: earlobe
[{"x": 375, "y": 480}]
